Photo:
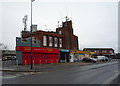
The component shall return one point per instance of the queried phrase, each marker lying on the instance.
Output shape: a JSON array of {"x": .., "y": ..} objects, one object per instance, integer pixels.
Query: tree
[{"x": 3, "y": 46}]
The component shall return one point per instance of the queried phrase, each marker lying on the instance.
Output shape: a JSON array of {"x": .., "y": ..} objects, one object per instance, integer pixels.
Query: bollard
[
  {"x": 46, "y": 61},
  {"x": 65, "y": 58},
  {"x": 51, "y": 62},
  {"x": 33, "y": 63},
  {"x": 56, "y": 61},
  {"x": 40, "y": 61},
  {"x": 25, "y": 62},
  {"x": 17, "y": 62}
]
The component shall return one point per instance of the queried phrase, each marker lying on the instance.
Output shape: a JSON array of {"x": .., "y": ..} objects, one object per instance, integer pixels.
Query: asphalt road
[{"x": 89, "y": 74}]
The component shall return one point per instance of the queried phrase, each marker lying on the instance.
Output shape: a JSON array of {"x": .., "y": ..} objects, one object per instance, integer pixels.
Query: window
[
  {"x": 60, "y": 42},
  {"x": 34, "y": 40},
  {"x": 56, "y": 42},
  {"x": 97, "y": 51},
  {"x": 60, "y": 32},
  {"x": 111, "y": 51},
  {"x": 24, "y": 40},
  {"x": 103, "y": 51},
  {"x": 50, "y": 41},
  {"x": 44, "y": 40}
]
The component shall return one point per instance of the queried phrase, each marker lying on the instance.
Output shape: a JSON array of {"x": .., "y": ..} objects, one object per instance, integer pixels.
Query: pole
[{"x": 31, "y": 39}]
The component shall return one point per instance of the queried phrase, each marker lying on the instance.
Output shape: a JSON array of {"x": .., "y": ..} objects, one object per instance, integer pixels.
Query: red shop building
[
  {"x": 39, "y": 55},
  {"x": 47, "y": 46}
]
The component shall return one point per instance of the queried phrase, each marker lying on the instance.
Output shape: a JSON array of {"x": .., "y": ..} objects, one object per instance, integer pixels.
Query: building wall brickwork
[{"x": 64, "y": 33}]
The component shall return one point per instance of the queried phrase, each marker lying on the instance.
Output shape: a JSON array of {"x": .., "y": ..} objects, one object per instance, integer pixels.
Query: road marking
[
  {"x": 8, "y": 76},
  {"x": 111, "y": 79},
  {"x": 18, "y": 75}
]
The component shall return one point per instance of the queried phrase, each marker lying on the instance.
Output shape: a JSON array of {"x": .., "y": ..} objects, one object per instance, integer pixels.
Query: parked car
[
  {"x": 106, "y": 59},
  {"x": 4, "y": 59},
  {"x": 88, "y": 60},
  {"x": 101, "y": 58}
]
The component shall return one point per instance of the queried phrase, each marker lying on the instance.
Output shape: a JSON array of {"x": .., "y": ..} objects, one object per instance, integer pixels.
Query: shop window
[
  {"x": 44, "y": 40},
  {"x": 50, "y": 41},
  {"x": 56, "y": 42}
]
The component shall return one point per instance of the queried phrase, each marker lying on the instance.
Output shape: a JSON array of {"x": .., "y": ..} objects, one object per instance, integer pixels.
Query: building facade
[
  {"x": 109, "y": 52},
  {"x": 63, "y": 38},
  {"x": 47, "y": 46}
]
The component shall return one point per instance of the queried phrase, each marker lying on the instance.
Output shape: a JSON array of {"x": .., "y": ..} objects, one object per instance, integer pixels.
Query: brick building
[
  {"x": 63, "y": 38},
  {"x": 109, "y": 52}
]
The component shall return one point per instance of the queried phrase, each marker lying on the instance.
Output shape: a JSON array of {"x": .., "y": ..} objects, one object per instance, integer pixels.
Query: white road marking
[
  {"x": 8, "y": 76},
  {"x": 108, "y": 81},
  {"x": 17, "y": 75}
]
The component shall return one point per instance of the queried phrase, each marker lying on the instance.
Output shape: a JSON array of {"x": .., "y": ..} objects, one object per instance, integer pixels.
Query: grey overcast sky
[{"x": 95, "y": 22}]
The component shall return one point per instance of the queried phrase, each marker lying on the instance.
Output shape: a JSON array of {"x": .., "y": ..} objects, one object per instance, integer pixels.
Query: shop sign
[{"x": 64, "y": 50}]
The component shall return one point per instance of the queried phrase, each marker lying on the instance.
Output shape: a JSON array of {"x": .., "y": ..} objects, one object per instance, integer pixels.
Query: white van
[{"x": 100, "y": 58}]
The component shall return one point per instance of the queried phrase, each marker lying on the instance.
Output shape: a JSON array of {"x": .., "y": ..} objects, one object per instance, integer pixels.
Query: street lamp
[{"x": 31, "y": 38}]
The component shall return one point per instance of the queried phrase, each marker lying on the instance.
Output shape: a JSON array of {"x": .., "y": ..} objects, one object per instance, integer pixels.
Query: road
[{"x": 102, "y": 73}]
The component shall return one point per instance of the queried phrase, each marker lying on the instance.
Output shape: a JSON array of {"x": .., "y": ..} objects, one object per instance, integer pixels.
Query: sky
[{"x": 95, "y": 22}]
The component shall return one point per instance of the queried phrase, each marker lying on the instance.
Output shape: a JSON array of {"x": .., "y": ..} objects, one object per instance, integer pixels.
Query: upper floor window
[
  {"x": 60, "y": 42},
  {"x": 103, "y": 51},
  {"x": 111, "y": 51},
  {"x": 44, "y": 40},
  {"x": 97, "y": 51},
  {"x": 60, "y": 32},
  {"x": 50, "y": 41},
  {"x": 34, "y": 40},
  {"x": 56, "y": 42},
  {"x": 24, "y": 40}
]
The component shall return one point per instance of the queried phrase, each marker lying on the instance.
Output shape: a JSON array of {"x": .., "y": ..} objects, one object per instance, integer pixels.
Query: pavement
[
  {"x": 40, "y": 67},
  {"x": 43, "y": 67}
]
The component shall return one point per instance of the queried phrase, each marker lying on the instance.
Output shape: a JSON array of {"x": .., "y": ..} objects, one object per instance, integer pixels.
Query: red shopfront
[{"x": 39, "y": 55}]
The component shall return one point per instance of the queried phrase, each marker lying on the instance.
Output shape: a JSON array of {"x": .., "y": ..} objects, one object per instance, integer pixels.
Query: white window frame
[
  {"x": 60, "y": 32},
  {"x": 111, "y": 51},
  {"x": 60, "y": 42},
  {"x": 50, "y": 41},
  {"x": 56, "y": 42},
  {"x": 44, "y": 40}
]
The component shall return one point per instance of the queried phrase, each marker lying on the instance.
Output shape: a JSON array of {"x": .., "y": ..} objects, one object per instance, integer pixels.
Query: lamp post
[{"x": 31, "y": 38}]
